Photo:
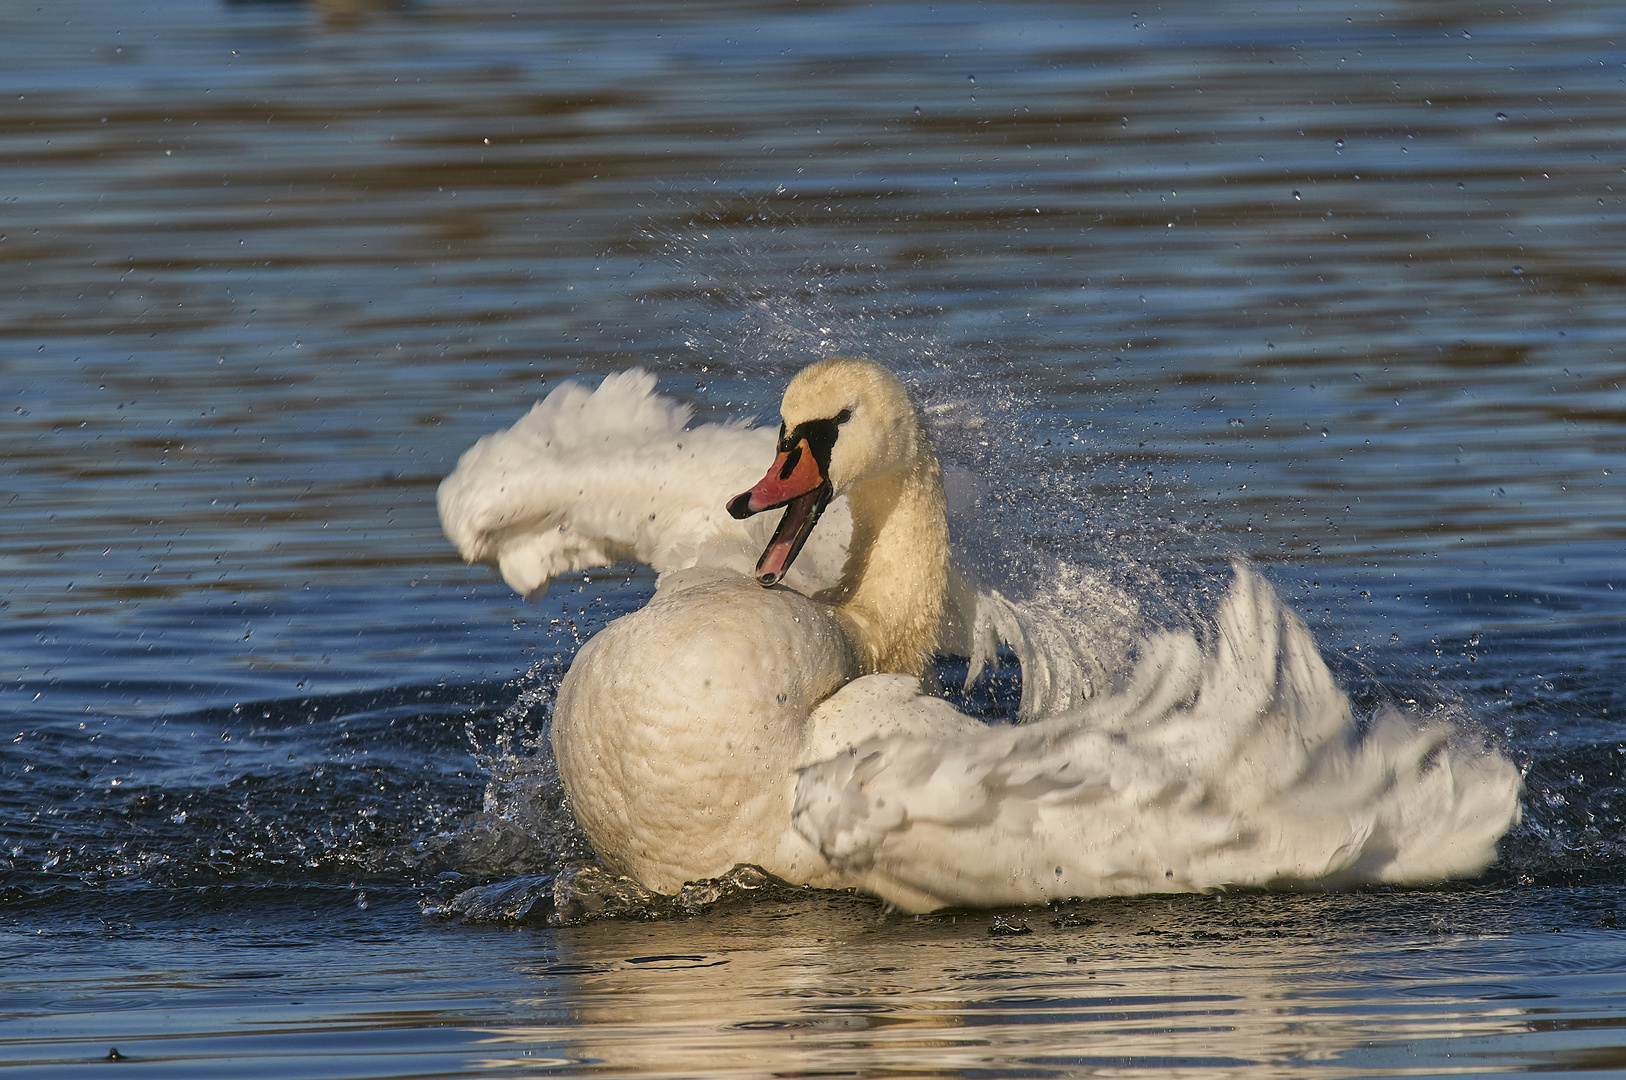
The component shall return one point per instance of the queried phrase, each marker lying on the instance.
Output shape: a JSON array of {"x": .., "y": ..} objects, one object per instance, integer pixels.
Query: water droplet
[
  {"x": 1501, "y": 118},
  {"x": 1297, "y": 197},
  {"x": 1234, "y": 422},
  {"x": 1339, "y": 144},
  {"x": 1518, "y": 271},
  {"x": 917, "y": 110}
]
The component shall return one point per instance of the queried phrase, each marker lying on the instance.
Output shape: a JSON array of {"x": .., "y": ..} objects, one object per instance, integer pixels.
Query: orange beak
[{"x": 795, "y": 482}]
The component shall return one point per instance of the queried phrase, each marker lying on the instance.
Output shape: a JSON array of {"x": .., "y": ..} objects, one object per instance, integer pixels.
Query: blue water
[{"x": 1337, "y": 290}]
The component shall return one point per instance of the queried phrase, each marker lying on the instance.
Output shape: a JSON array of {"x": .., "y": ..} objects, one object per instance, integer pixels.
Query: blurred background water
[{"x": 1333, "y": 287}]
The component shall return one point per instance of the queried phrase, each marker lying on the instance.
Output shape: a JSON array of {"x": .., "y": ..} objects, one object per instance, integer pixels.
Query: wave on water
[
  {"x": 584, "y": 890},
  {"x": 311, "y": 790}
]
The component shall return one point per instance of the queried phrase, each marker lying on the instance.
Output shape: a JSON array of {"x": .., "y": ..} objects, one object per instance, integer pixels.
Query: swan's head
[{"x": 844, "y": 421}]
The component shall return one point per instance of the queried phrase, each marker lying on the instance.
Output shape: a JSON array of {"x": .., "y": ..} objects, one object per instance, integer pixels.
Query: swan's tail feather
[
  {"x": 1234, "y": 765},
  {"x": 1060, "y": 667}
]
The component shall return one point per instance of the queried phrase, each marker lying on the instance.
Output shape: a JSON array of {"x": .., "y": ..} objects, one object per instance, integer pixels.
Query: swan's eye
[
  {"x": 843, "y": 416},
  {"x": 814, "y": 436}
]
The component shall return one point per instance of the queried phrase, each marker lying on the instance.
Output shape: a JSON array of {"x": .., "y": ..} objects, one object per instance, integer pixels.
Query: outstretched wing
[
  {"x": 591, "y": 478},
  {"x": 1237, "y": 764}
]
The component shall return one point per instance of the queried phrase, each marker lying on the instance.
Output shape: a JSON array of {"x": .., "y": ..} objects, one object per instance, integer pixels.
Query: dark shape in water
[{"x": 586, "y": 891}]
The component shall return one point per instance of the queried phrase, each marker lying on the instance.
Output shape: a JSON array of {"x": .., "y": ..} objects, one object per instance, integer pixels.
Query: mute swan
[{"x": 727, "y": 722}]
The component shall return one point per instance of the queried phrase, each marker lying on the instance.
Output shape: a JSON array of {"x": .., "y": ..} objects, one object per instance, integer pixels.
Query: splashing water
[{"x": 524, "y": 827}]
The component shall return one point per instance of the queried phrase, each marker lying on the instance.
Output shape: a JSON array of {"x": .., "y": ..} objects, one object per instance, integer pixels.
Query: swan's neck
[{"x": 891, "y": 595}]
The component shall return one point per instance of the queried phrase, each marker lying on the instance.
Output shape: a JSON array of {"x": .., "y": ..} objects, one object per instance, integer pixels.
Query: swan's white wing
[
  {"x": 1234, "y": 765},
  {"x": 590, "y": 478}
]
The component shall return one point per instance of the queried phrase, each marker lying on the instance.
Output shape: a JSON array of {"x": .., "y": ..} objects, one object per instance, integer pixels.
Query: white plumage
[{"x": 727, "y": 723}]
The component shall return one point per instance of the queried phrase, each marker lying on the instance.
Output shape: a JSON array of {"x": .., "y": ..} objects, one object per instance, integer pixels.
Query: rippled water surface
[{"x": 1334, "y": 287}]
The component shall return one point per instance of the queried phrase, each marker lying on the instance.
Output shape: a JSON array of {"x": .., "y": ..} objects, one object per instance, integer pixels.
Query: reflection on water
[
  {"x": 1374, "y": 984},
  {"x": 1194, "y": 985},
  {"x": 1211, "y": 986},
  {"x": 1333, "y": 288}
]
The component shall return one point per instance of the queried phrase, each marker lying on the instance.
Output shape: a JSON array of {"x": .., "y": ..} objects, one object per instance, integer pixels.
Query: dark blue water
[{"x": 1337, "y": 290}]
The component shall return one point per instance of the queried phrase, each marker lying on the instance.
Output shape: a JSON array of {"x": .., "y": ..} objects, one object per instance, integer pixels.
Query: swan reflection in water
[
  {"x": 767, "y": 707},
  {"x": 1208, "y": 985}
]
